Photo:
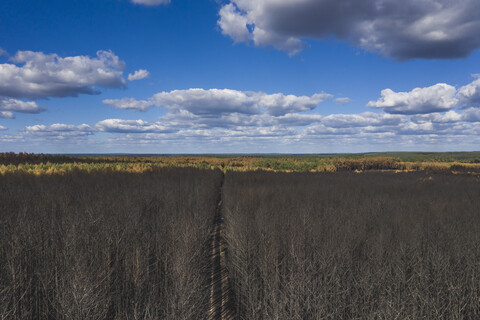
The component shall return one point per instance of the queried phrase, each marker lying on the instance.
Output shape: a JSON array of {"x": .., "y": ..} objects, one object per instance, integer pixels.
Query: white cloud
[
  {"x": 151, "y": 2},
  {"x": 447, "y": 117},
  {"x": 297, "y": 120},
  {"x": 233, "y": 24},
  {"x": 279, "y": 104},
  {"x": 15, "y": 105},
  {"x": 216, "y": 118},
  {"x": 361, "y": 120},
  {"x": 49, "y": 75},
  {"x": 129, "y": 103},
  {"x": 2, "y": 128},
  {"x": 439, "y": 97},
  {"x": 412, "y": 128},
  {"x": 404, "y": 30},
  {"x": 344, "y": 100},
  {"x": 7, "y": 115},
  {"x": 471, "y": 115},
  {"x": 3, "y": 52},
  {"x": 59, "y": 131},
  {"x": 213, "y": 101},
  {"x": 138, "y": 75},
  {"x": 239, "y": 131},
  {"x": 469, "y": 95},
  {"x": 217, "y": 102},
  {"x": 130, "y": 126}
]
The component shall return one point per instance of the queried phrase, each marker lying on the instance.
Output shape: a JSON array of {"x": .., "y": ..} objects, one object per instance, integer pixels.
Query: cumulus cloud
[
  {"x": 279, "y": 104},
  {"x": 130, "y": 126},
  {"x": 439, "y": 97},
  {"x": 7, "y": 104},
  {"x": 403, "y": 30},
  {"x": 59, "y": 131},
  {"x": 469, "y": 95},
  {"x": 471, "y": 115},
  {"x": 7, "y": 115},
  {"x": 344, "y": 100},
  {"x": 138, "y": 75},
  {"x": 297, "y": 120},
  {"x": 151, "y": 2},
  {"x": 468, "y": 115},
  {"x": 213, "y": 101},
  {"x": 38, "y": 75},
  {"x": 241, "y": 123},
  {"x": 361, "y": 120},
  {"x": 233, "y": 24},
  {"x": 447, "y": 117},
  {"x": 220, "y": 117},
  {"x": 3, "y": 52},
  {"x": 129, "y": 104},
  {"x": 183, "y": 128},
  {"x": 223, "y": 101}
]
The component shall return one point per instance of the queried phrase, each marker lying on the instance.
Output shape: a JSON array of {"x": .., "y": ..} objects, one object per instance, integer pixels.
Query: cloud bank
[
  {"x": 131, "y": 126},
  {"x": 223, "y": 101},
  {"x": 253, "y": 131},
  {"x": 226, "y": 120}
]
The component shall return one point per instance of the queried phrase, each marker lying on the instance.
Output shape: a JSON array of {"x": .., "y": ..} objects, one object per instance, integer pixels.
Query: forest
[
  {"x": 354, "y": 246},
  {"x": 186, "y": 242},
  {"x": 105, "y": 246}
]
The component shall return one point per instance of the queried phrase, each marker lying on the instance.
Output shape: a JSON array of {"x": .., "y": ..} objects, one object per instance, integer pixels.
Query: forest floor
[{"x": 221, "y": 302}]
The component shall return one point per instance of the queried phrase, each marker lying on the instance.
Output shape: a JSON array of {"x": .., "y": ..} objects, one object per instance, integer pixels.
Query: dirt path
[{"x": 221, "y": 296}]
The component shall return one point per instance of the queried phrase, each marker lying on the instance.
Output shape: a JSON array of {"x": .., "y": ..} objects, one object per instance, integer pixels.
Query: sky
[{"x": 239, "y": 76}]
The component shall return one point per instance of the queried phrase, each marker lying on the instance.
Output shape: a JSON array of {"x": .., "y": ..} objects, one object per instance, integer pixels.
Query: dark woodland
[
  {"x": 344, "y": 245},
  {"x": 105, "y": 246},
  {"x": 354, "y": 246}
]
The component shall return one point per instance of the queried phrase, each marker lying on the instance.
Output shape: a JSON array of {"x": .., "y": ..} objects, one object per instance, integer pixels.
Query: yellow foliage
[{"x": 241, "y": 163}]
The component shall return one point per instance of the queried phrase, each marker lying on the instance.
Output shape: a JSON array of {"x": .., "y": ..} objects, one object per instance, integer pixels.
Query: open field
[{"x": 111, "y": 241}]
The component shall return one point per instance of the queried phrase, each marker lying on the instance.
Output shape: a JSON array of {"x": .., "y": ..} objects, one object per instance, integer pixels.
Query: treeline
[
  {"x": 353, "y": 246},
  {"x": 371, "y": 163},
  {"x": 22, "y": 158},
  {"x": 110, "y": 245},
  {"x": 11, "y": 158},
  {"x": 41, "y": 163}
]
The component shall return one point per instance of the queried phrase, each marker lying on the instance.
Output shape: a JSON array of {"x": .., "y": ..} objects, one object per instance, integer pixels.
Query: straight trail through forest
[{"x": 221, "y": 302}]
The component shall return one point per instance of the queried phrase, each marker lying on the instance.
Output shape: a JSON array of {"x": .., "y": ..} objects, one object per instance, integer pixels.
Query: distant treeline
[
  {"x": 46, "y": 163},
  {"x": 11, "y": 158}
]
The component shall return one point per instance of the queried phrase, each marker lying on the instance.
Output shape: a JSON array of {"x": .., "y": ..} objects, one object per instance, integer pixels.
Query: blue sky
[{"x": 243, "y": 76}]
